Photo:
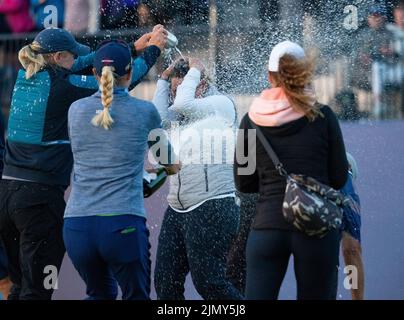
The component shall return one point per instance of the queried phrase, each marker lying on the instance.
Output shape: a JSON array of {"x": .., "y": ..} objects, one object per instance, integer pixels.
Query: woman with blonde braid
[{"x": 105, "y": 220}]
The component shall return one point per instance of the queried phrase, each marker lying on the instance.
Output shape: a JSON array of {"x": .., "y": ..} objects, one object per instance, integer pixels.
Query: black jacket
[
  {"x": 313, "y": 148},
  {"x": 1, "y": 142}
]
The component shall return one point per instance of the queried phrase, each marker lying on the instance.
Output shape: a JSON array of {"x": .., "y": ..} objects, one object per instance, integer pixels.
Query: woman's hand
[
  {"x": 152, "y": 170},
  {"x": 142, "y": 43},
  {"x": 196, "y": 63},
  {"x": 173, "y": 169},
  {"x": 167, "y": 72},
  {"x": 157, "y": 27},
  {"x": 158, "y": 37},
  {"x": 170, "y": 170}
]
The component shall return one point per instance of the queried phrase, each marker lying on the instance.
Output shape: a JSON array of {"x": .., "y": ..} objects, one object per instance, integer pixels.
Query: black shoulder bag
[{"x": 311, "y": 206}]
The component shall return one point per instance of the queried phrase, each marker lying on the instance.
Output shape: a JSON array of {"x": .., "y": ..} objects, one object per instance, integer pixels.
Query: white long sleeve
[
  {"x": 161, "y": 99},
  {"x": 186, "y": 104}
]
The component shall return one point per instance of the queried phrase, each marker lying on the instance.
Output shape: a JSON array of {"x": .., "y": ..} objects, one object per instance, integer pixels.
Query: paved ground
[{"x": 379, "y": 150}]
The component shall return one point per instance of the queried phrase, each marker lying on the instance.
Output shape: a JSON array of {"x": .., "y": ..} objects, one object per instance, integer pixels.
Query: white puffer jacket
[{"x": 198, "y": 180}]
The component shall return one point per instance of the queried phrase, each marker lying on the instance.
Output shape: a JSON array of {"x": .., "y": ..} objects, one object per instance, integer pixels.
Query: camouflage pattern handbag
[{"x": 311, "y": 206}]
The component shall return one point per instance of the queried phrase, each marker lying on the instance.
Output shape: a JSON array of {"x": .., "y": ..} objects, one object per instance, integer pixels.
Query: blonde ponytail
[
  {"x": 295, "y": 76},
  {"x": 104, "y": 119},
  {"x": 31, "y": 60}
]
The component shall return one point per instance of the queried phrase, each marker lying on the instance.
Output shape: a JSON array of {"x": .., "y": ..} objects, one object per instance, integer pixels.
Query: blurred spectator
[
  {"x": 397, "y": 30},
  {"x": 9, "y": 66},
  {"x": 119, "y": 14},
  {"x": 168, "y": 12},
  {"x": 17, "y": 15},
  {"x": 377, "y": 66},
  {"x": 374, "y": 44},
  {"x": 146, "y": 13},
  {"x": 347, "y": 107},
  {"x": 4, "y": 28},
  {"x": 77, "y": 15},
  {"x": 145, "y": 18},
  {"x": 160, "y": 11},
  {"x": 39, "y": 12}
]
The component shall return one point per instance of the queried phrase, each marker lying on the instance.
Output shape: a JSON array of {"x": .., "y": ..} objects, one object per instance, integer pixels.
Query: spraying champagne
[{"x": 172, "y": 43}]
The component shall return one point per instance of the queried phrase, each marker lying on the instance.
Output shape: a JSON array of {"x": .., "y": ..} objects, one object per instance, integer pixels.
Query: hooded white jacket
[{"x": 190, "y": 121}]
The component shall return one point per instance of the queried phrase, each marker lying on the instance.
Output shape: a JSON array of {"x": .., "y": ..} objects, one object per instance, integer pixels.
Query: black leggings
[{"x": 315, "y": 262}]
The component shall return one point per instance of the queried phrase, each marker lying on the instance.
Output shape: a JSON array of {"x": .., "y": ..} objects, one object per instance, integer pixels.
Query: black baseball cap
[
  {"x": 115, "y": 53},
  {"x": 55, "y": 39}
]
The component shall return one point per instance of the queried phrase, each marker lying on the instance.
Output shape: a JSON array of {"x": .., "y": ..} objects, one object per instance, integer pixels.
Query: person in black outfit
[
  {"x": 307, "y": 139},
  {"x": 2, "y": 143},
  {"x": 5, "y": 283},
  {"x": 236, "y": 259}
]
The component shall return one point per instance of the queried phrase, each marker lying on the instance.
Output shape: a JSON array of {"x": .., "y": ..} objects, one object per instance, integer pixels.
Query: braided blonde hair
[
  {"x": 31, "y": 60},
  {"x": 104, "y": 119}
]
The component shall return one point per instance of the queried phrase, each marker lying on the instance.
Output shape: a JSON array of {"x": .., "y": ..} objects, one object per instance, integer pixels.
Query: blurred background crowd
[
  {"x": 359, "y": 43},
  {"x": 19, "y": 16}
]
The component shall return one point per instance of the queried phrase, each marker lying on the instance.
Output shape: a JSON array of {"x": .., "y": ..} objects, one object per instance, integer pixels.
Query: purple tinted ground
[{"x": 379, "y": 150}]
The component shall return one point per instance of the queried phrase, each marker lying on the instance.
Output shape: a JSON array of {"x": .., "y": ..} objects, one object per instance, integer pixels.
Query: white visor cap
[{"x": 282, "y": 48}]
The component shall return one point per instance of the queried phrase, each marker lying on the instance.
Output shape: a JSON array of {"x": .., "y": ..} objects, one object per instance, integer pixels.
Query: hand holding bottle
[
  {"x": 152, "y": 183},
  {"x": 142, "y": 43},
  {"x": 159, "y": 37},
  {"x": 173, "y": 169}
]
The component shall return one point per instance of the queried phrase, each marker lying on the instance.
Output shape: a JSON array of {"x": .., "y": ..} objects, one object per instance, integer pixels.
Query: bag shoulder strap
[{"x": 268, "y": 148}]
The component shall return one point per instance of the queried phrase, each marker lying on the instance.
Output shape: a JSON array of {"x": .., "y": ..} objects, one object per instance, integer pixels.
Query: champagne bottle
[
  {"x": 172, "y": 40},
  {"x": 152, "y": 184}
]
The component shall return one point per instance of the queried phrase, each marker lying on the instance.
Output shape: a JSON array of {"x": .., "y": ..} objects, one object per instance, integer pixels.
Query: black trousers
[
  {"x": 197, "y": 242},
  {"x": 316, "y": 264},
  {"x": 236, "y": 260},
  {"x": 31, "y": 225}
]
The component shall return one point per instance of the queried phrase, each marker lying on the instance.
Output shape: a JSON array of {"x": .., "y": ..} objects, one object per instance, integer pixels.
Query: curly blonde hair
[{"x": 295, "y": 76}]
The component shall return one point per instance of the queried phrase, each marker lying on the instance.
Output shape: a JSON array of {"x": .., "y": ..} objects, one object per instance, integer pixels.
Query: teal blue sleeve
[
  {"x": 85, "y": 82},
  {"x": 35, "y": 3},
  {"x": 141, "y": 65},
  {"x": 83, "y": 62},
  {"x": 140, "y": 69}
]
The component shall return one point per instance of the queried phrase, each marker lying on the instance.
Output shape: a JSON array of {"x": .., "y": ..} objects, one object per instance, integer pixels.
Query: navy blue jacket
[{"x": 37, "y": 147}]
